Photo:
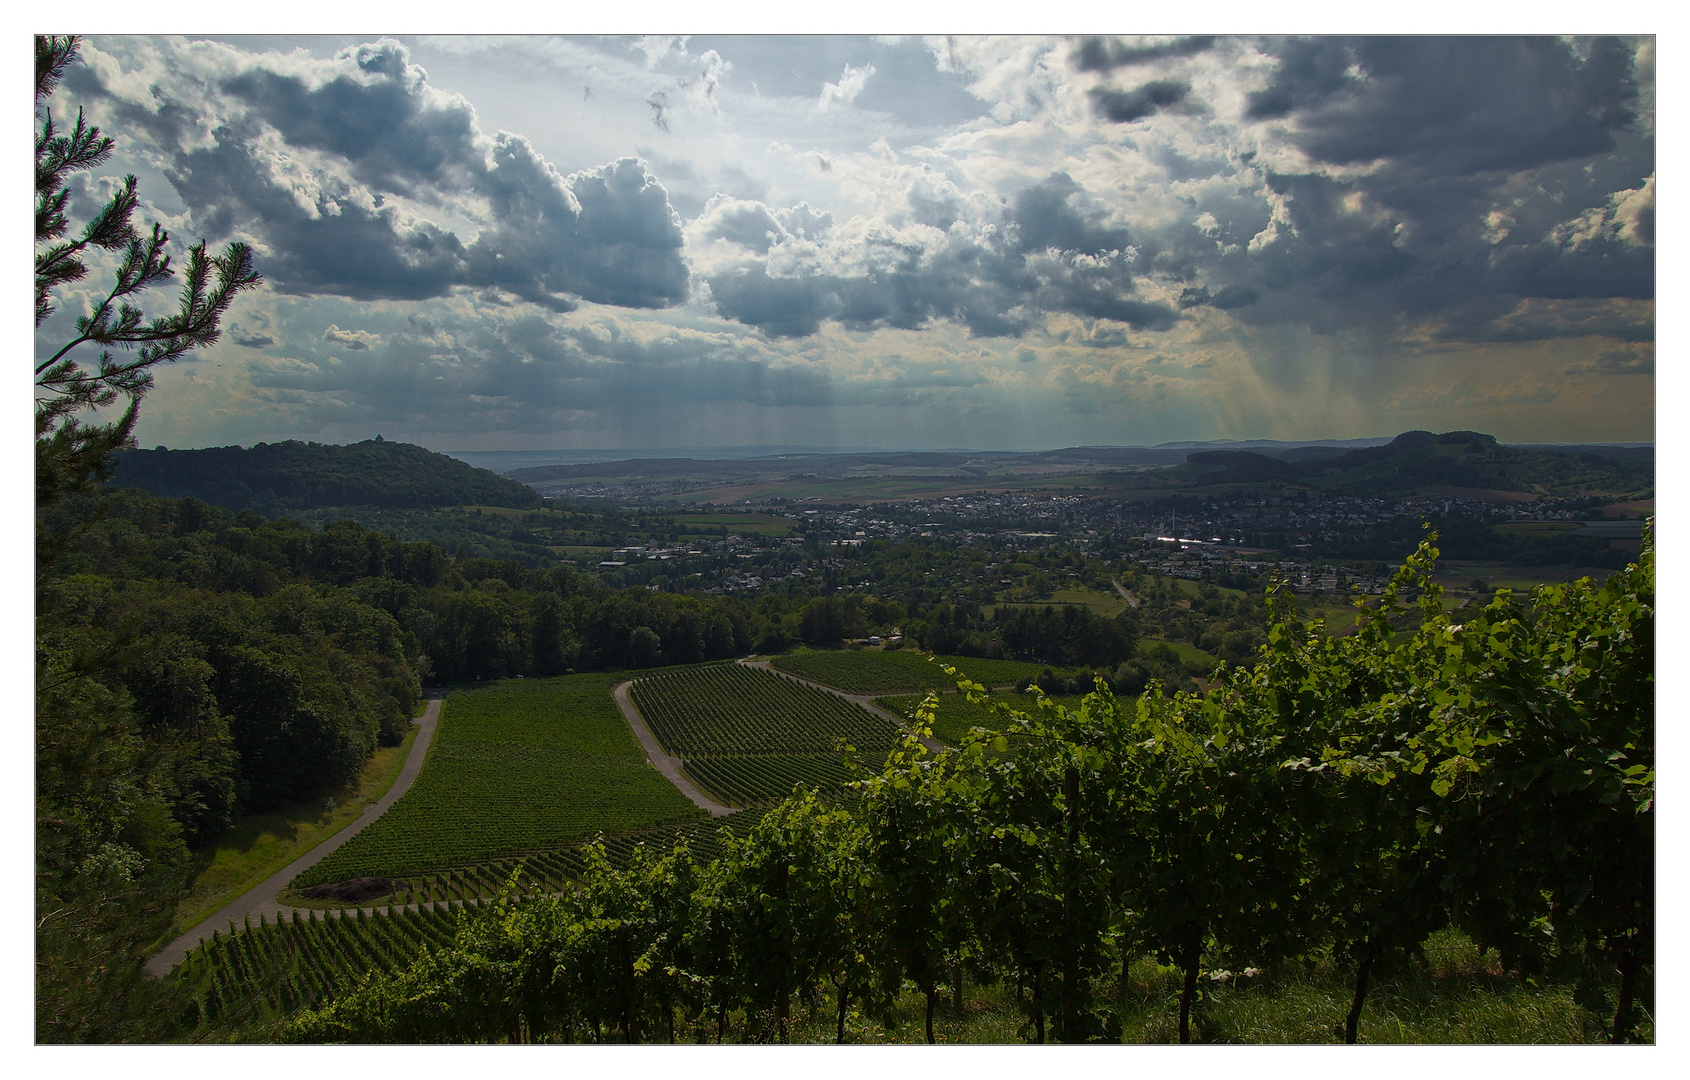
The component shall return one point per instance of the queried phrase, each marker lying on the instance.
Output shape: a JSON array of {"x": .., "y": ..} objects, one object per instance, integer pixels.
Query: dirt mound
[{"x": 356, "y": 891}]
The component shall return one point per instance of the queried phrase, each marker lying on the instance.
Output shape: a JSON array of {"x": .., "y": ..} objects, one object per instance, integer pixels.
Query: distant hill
[
  {"x": 1422, "y": 459},
  {"x": 284, "y": 477}
]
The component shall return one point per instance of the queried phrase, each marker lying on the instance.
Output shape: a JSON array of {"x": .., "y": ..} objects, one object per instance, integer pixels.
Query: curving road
[
  {"x": 667, "y": 764},
  {"x": 261, "y": 900}
]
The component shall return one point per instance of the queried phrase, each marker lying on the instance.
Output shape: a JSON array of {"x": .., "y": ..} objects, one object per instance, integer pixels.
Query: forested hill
[
  {"x": 1467, "y": 459},
  {"x": 276, "y": 478}
]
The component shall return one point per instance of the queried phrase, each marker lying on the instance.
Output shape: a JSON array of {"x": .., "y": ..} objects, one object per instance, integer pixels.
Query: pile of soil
[{"x": 356, "y": 891}]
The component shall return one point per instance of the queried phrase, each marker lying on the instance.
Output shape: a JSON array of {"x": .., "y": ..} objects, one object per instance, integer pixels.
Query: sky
[{"x": 1003, "y": 242}]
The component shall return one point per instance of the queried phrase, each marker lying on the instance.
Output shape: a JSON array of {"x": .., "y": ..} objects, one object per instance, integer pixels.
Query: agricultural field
[
  {"x": 261, "y": 973},
  {"x": 551, "y": 870},
  {"x": 747, "y": 734},
  {"x": 1185, "y": 650},
  {"x": 516, "y": 765},
  {"x": 733, "y": 524},
  {"x": 955, "y": 715},
  {"x": 873, "y": 671},
  {"x": 1099, "y": 603}
]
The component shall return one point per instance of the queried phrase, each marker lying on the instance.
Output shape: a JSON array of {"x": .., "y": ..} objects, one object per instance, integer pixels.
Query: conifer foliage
[{"x": 71, "y": 453}]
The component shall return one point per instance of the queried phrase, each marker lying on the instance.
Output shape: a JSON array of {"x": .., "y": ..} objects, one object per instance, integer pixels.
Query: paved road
[
  {"x": 1132, "y": 601},
  {"x": 261, "y": 900},
  {"x": 864, "y": 700},
  {"x": 666, "y": 764}
]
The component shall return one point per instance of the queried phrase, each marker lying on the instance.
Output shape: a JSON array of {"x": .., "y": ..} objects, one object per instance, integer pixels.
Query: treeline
[
  {"x": 1347, "y": 797},
  {"x": 465, "y": 618},
  {"x": 274, "y": 478}
]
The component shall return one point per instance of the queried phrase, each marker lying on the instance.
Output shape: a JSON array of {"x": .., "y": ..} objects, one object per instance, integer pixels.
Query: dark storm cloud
[
  {"x": 1226, "y": 298},
  {"x": 1452, "y": 105},
  {"x": 382, "y": 134},
  {"x": 343, "y": 249},
  {"x": 1106, "y": 54},
  {"x": 1497, "y": 169},
  {"x": 1056, "y": 213},
  {"x": 1125, "y": 106}
]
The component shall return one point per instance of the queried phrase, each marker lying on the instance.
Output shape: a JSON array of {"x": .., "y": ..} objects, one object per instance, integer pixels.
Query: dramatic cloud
[
  {"x": 1035, "y": 240},
  {"x": 335, "y": 167}
]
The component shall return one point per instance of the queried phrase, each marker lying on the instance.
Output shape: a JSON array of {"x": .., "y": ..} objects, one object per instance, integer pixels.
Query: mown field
[
  {"x": 873, "y": 671},
  {"x": 517, "y": 765},
  {"x": 747, "y": 734}
]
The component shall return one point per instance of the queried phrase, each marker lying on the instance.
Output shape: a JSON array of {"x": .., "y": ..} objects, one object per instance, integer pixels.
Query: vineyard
[
  {"x": 551, "y": 870},
  {"x": 257, "y": 974},
  {"x": 869, "y": 671},
  {"x": 746, "y": 734},
  {"x": 516, "y": 766},
  {"x": 262, "y": 972}
]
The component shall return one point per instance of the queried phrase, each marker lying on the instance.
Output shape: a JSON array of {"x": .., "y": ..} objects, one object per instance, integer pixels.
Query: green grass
[
  {"x": 955, "y": 715},
  {"x": 261, "y": 844},
  {"x": 1185, "y": 650},
  {"x": 873, "y": 671},
  {"x": 516, "y": 765}
]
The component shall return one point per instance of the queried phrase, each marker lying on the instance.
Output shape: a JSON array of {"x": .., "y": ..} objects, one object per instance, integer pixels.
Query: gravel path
[
  {"x": 261, "y": 900},
  {"x": 666, "y": 764}
]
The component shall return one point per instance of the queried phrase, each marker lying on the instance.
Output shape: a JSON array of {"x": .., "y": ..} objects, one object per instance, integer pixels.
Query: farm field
[
  {"x": 516, "y": 765},
  {"x": 1496, "y": 575},
  {"x": 735, "y": 524},
  {"x": 1185, "y": 650},
  {"x": 955, "y": 714},
  {"x": 746, "y": 734},
  {"x": 551, "y": 870},
  {"x": 874, "y": 671},
  {"x": 1099, "y": 603},
  {"x": 261, "y": 973}
]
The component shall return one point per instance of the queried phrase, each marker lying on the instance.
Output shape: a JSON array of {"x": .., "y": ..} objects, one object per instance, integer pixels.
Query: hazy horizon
[{"x": 502, "y": 243}]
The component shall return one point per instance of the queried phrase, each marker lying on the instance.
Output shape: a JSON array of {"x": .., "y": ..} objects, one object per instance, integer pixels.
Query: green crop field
[
  {"x": 551, "y": 870},
  {"x": 872, "y": 671},
  {"x": 747, "y": 778},
  {"x": 259, "y": 973},
  {"x": 747, "y": 734},
  {"x": 517, "y": 765}
]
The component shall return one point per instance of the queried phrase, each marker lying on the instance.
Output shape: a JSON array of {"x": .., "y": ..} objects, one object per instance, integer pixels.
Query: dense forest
[{"x": 274, "y": 478}]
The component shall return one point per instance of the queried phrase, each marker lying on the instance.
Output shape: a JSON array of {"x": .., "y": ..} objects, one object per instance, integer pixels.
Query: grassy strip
[{"x": 261, "y": 844}]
